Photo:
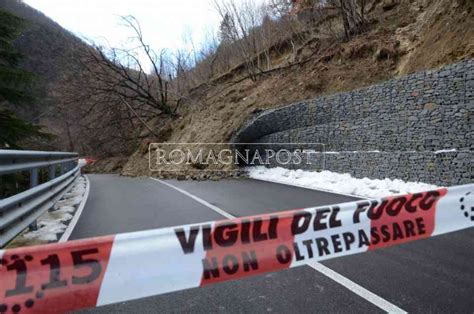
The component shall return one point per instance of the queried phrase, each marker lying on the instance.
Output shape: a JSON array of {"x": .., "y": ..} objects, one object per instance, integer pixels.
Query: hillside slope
[
  {"x": 405, "y": 38},
  {"x": 50, "y": 53}
]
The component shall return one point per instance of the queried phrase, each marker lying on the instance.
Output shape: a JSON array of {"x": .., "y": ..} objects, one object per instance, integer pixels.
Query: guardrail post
[
  {"x": 33, "y": 182},
  {"x": 324, "y": 157},
  {"x": 52, "y": 172},
  {"x": 33, "y": 178},
  {"x": 33, "y": 226},
  {"x": 51, "y": 176}
]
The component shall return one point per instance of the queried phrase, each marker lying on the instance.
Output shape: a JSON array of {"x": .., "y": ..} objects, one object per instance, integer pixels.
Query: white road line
[
  {"x": 357, "y": 289},
  {"x": 197, "y": 199},
  {"x": 77, "y": 215},
  {"x": 340, "y": 279}
]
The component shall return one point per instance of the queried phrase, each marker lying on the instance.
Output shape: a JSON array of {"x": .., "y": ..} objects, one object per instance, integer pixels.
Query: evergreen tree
[
  {"x": 226, "y": 29},
  {"x": 13, "y": 130},
  {"x": 15, "y": 86}
]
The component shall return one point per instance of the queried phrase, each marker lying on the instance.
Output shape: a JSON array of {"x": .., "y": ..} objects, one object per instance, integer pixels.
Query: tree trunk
[
  {"x": 68, "y": 132},
  {"x": 351, "y": 17}
]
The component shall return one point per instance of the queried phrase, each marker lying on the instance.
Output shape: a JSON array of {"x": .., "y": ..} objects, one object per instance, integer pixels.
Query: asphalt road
[{"x": 433, "y": 275}]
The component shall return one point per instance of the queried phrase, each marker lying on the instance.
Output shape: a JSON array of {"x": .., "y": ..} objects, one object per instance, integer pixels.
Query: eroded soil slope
[{"x": 405, "y": 38}]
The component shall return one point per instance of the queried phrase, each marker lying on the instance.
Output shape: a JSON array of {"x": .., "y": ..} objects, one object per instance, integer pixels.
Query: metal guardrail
[{"x": 23, "y": 209}]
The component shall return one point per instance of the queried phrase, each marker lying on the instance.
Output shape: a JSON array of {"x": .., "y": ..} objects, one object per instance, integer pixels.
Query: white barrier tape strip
[
  {"x": 69, "y": 276},
  {"x": 336, "y": 277}
]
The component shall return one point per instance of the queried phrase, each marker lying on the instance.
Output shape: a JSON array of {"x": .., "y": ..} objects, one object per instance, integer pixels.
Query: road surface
[{"x": 433, "y": 275}]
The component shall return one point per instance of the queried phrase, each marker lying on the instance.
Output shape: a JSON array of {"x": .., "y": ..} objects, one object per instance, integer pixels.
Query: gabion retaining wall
[{"x": 397, "y": 129}]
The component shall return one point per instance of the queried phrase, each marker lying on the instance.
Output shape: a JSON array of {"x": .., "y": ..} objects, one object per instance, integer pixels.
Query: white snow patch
[
  {"x": 49, "y": 226},
  {"x": 54, "y": 223},
  {"x": 446, "y": 151},
  {"x": 47, "y": 232},
  {"x": 67, "y": 209},
  {"x": 338, "y": 183},
  {"x": 69, "y": 202}
]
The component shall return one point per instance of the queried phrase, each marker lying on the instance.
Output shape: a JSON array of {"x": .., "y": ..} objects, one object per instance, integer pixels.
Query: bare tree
[
  {"x": 281, "y": 8},
  {"x": 100, "y": 123},
  {"x": 124, "y": 73},
  {"x": 118, "y": 95},
  {"x": 210, "y": 56},
  {"x": 265, "y": 37},
  {"x": 351, "y": 17},
  {"x": 362, "y": 4},
  {"x": 226, "y": 29},
  {"x": 241, "y": 22},
  {"x": 198, "y": 65}
]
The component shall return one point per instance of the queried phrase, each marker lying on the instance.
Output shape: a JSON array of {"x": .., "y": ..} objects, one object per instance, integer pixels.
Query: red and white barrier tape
[{"x": 87, "y": 273}]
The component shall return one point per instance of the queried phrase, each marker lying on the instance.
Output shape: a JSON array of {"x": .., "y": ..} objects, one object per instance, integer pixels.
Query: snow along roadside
[
  {"x": 57, "y": 224},
  {"x": 337, "y": 182},
  {"x": 72, "y": 224}
]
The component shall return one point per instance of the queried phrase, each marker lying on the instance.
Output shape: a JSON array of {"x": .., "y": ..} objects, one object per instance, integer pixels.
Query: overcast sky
[{"x": 163, "y": 21}]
